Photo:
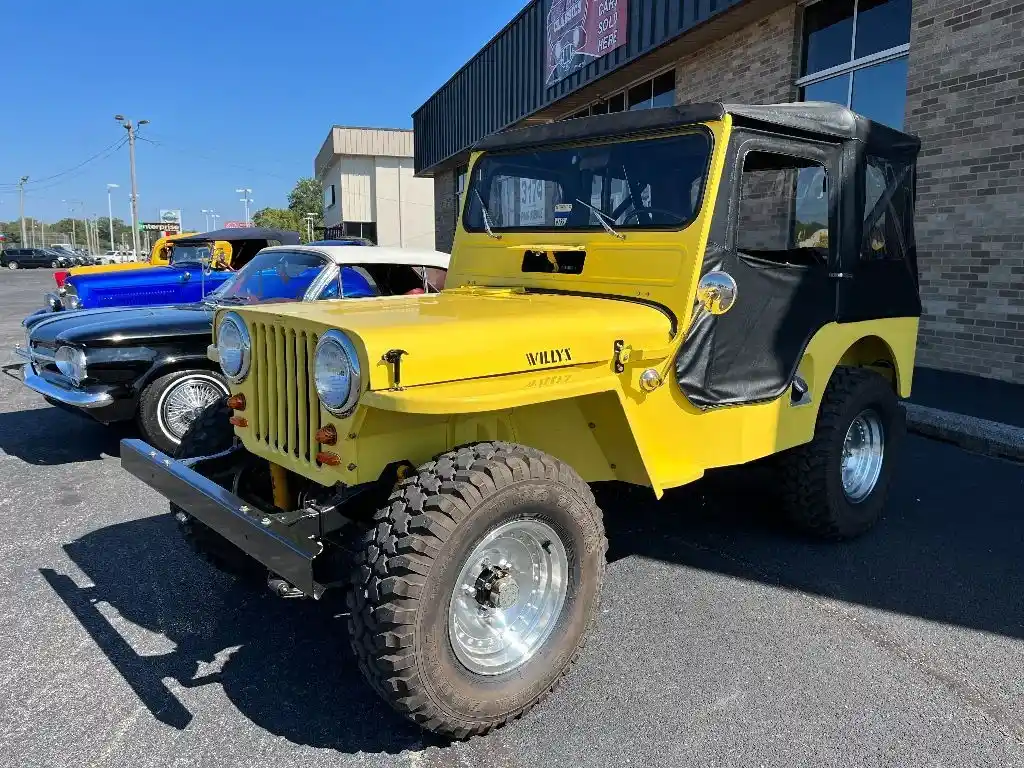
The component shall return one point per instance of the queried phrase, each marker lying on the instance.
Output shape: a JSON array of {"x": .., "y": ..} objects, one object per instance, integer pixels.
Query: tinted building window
[{"x": 855, "y": 54}]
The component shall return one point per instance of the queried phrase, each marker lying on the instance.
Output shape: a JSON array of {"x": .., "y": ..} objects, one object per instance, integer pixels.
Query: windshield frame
[
  {"x": 473, "y": 184},
  {"x": 328, "y": 271},
  {"x": 191, "y": 245}
]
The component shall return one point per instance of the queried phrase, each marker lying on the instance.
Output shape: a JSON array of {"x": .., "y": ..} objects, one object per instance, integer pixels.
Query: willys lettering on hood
[
  {"x": 475, "y": 332},
  {"x": 549, "y": 356}
]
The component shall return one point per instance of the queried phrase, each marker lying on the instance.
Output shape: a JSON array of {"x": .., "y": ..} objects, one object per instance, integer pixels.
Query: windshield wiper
[
  {"x": 601, "y": 216},
  {"x": 487, "y": 217}
]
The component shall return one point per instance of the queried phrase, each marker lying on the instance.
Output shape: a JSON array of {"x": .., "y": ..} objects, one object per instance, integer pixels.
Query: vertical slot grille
[{"x": 286, "y": 413}]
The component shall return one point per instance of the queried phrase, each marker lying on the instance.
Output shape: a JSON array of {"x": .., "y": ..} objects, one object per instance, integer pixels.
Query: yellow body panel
[{"x": 467, "y": 375}]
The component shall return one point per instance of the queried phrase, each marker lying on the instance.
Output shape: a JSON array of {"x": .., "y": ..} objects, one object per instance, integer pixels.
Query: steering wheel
[{"x": 637, "y": 211}]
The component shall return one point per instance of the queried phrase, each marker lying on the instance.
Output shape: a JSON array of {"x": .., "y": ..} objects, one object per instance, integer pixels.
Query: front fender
[{"x": 577, "y": 414}]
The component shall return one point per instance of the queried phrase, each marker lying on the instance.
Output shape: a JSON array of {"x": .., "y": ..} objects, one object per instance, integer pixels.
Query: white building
[{"x": 370, "y": 189}]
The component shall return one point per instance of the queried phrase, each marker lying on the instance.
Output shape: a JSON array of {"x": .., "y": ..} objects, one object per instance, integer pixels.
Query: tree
[
  {"x": 307, "y": 197},
  {"x": 279, "y": 218}
]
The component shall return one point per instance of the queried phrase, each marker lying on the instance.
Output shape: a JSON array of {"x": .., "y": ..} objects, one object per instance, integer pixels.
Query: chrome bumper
[
  {"x": 52, "y": 387},
  {"x": 259, "y": 534}
]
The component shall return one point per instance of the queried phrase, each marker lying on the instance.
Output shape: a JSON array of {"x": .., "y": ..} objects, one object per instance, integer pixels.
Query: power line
[
  {"x": 35, "y": 183},
  {"x": 162, "y": 143}
]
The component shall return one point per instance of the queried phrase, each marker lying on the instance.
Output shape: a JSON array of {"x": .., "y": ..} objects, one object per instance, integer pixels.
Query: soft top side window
[
  {"x": 888, "y": 207},
  {"x": 783, "y": 212}
]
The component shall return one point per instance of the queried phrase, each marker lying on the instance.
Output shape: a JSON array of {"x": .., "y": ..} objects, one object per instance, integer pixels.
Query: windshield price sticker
[{"x": 532, "y": 211}]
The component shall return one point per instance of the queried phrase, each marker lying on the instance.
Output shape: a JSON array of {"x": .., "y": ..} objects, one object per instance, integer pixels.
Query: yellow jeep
[
  {"x": 159, "y": 257},
  {"x": 637, "y": 297}
]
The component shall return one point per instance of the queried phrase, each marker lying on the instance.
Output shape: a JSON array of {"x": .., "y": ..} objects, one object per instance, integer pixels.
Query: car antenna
[
  {"x": 487, "y": 217},
  {"x": 601, "y": 215}
]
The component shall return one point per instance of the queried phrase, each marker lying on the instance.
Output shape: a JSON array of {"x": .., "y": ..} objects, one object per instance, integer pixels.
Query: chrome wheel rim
[
  {"x": 181, "y": 402},
  {"x": 863, "y": 453},
  {"x": 508, "y": 597}
]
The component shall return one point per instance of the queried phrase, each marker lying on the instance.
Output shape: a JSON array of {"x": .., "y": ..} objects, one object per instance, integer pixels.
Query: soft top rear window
[{"x": 649, "y": 183}]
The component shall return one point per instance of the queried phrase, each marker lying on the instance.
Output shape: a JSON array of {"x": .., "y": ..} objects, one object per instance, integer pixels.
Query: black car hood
[{"x": 119, "y": 326}]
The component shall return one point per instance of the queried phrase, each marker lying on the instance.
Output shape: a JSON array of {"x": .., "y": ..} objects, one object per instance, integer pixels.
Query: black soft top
[
  {"x": 284, "y": 236},
  {"x": 813, "y": 119}
]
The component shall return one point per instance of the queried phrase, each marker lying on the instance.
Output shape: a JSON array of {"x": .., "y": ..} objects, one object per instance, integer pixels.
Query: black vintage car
[{"x": 150, "y": 363}]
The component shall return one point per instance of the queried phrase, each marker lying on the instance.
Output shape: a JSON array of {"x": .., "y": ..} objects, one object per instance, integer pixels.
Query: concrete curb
[{"x": 991, "y": 438}]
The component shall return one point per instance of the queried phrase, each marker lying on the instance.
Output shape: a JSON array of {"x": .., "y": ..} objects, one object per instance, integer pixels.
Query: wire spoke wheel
[
  {"x": 508, "y": 597},
  {"x": 863, "y": 454},
  {"x": 181, "y": 402}
]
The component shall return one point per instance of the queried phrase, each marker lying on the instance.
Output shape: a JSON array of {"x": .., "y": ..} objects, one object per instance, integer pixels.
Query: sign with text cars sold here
[{"x": 579, "y": 31}]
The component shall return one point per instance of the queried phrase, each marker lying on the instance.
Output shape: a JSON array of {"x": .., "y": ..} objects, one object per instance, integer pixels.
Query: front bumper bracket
[{"x": 259, "y": 534}]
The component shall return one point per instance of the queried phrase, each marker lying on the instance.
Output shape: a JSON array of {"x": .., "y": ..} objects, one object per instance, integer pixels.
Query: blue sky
[{"x": 238, "y": 94}]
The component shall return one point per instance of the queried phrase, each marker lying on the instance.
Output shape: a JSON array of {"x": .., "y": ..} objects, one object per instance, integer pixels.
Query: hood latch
[{"x": 394, "y": 358}]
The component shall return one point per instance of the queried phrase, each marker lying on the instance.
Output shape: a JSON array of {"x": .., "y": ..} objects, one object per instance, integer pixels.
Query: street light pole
[
  {"x": 110, "y": 214},
  {"x": 21, "y": 190},
  {"x": 206, "y": 212},
  {"x": 309, "y": 217},
  {"x": 214, "y": 216},
  {"x": 247, "y": 199},
  {"x": 127, "y": 125}
]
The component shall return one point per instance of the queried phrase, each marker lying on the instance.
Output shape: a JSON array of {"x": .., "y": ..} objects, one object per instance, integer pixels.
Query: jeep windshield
[
  {"x": 191, "y": 254},
  {"x": 650, "y": 183},
  {"x": 272, "y": 276}
]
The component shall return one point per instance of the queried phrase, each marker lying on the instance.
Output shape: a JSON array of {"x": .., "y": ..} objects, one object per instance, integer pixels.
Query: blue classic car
[
  {"x": 198, "y": 266},
  {"x": 150, "y": 364}
]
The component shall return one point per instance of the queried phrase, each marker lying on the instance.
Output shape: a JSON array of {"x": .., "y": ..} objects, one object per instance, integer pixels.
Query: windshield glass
[
  {"x": 653, "y": 183},
  {"x": 192, "y": 254},
  {"x": 272, "y": 275}
]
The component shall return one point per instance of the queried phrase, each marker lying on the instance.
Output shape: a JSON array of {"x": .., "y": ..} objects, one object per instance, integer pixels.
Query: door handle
[{"x": 185, "y": 277}]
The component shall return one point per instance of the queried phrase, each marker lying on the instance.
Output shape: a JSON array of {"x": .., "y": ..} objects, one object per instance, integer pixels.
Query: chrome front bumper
[{"x": 55, "y": 387}]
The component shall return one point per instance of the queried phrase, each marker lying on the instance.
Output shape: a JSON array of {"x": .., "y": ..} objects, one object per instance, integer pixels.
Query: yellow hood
[{"x": 471, "y": 333}]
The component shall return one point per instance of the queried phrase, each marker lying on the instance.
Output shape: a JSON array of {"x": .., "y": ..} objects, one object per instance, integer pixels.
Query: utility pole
[
  {"x": 309, "y": 217},
  {"x": 127, "y": 125},
  {"x": 21, "y": 190},
  {"x": 247, "y": 199}
]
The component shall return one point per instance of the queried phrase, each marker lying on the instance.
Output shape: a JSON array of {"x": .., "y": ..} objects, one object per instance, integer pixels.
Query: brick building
[{"x": 950, "y": 71}]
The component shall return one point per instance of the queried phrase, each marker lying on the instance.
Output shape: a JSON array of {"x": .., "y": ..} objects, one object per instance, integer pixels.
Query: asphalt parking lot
[{"x": 723, "y": 639}]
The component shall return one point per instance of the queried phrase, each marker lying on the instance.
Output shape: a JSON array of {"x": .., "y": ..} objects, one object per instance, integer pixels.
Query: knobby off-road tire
[
  {"x": 408, "y": 567},
  {"x": 813, "y": 495},
  {"x": 211, "y": 433}
]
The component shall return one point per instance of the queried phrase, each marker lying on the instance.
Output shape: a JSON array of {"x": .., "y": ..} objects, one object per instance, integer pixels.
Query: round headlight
[
  {"x": 234, "y": 347},
  {"x": 53, "y": 302},
  {"x": 71, "y": 363},
  {"x": 71, "y": 301},
  {"x": 336, "y": 372}
]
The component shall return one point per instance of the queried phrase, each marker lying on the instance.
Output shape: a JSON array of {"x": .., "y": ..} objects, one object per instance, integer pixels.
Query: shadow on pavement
[
  {"x": 948, "y": 549},
  {"x": 50, "y": 436},
  {"x": 286, "y": 665}
]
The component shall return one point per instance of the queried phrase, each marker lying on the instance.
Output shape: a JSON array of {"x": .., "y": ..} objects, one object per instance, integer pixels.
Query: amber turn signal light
[
  {"x": 327, "y": 435},
  {"x": 239, "y": 421},
  {"x": 328, "y": 458},
  {"x": 237, "y": 402}
]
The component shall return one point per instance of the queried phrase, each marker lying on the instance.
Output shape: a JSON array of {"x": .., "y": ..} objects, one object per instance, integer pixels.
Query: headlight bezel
[
  {"x": 348, "y": 349},
  {"x": 245, "y": 346},
  {"x": 71, "y": 363},
  {"x": 71, "y": 301}
]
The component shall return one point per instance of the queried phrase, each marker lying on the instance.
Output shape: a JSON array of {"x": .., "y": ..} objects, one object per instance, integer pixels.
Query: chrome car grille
[{"x": 286, "y": 410}]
